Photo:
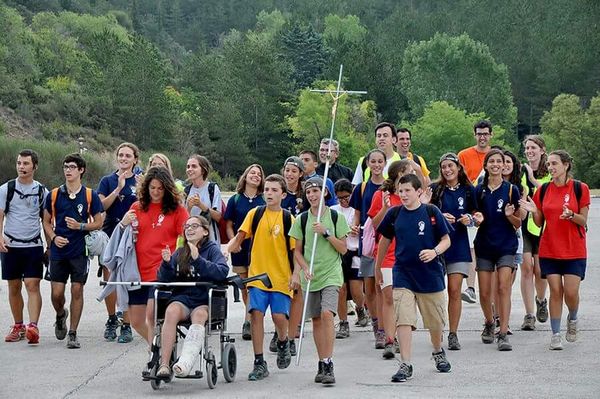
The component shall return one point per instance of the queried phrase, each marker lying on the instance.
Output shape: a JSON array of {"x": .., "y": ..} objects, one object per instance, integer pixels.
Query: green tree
[
  {"x": 460, "y": 71},
  {"x": 575, "y": 129}
]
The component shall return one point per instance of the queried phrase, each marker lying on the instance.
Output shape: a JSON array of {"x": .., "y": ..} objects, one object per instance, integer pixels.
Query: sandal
[{"x": 164, "y": 371}]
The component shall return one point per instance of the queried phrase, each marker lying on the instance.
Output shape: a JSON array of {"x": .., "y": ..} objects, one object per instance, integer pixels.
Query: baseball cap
[
  {"x": 449, "y": 156},
  {"x": 296, "y": 161},
  {"x": 316, "y": 182}
]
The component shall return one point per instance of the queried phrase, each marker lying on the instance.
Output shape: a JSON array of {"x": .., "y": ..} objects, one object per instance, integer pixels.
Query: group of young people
[{"x": 385, "y": 237}]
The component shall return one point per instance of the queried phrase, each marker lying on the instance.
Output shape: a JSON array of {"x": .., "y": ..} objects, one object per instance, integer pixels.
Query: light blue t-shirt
[
  {"x": 202, "y": 192},
  {"x": 23, "y": 218}
]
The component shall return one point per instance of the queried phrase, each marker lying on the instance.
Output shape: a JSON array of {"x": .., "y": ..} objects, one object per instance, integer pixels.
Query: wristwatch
[{"x": 326, "y": 234}]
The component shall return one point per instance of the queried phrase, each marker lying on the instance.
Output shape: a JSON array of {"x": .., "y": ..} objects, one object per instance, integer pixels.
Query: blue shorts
[
  {"x": 20, "y": 263},
  {"x": 563, "y": 266},
  {"x": 260, "y": 300},
  {"x": 141, "y": 295}
]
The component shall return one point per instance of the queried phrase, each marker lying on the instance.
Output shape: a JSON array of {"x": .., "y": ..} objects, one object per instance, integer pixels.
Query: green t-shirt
[{"x": 327, "y": 268}]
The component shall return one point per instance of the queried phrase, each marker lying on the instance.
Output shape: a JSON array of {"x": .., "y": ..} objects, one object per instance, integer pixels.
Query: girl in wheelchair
[{"x": 200, "y": 259}]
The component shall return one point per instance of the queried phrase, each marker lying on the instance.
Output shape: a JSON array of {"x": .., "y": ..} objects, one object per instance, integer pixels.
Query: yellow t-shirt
[{"x": 269, "y": 251}]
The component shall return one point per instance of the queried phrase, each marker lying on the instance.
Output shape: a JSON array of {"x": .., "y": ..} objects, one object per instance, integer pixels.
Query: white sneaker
[
  {"x": 556, "y": 342},
  {"x": 571, "y": 335}
]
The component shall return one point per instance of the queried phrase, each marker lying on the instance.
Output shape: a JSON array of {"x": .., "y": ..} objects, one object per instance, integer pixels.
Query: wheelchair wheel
[
  {"x": 155, "y": 384},
  {"x": 211, "y": 370},
  {"x": 229, "y": 362}
]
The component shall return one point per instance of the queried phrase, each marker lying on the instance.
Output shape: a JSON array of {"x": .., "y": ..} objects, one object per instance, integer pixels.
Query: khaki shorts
[
  {"x": 386, "y": 273},
  {"x": 432, "y": 307},
  {"x": 240, "y": 269},
  {"x": 323, "y": 300}
]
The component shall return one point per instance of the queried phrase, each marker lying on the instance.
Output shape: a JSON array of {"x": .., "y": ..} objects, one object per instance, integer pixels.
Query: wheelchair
[{"x": 215, "y": 326}]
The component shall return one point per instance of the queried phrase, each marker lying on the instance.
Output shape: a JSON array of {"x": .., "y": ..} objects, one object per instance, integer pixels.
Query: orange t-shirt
[
  {"x": 156, "y": 231},
  {"x": 376, "y": 205},
  {"x": 472, "y": 161}
]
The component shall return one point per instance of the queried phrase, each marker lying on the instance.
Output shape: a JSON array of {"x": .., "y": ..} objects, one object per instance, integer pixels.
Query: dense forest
[{"x": 229, "y": 78}]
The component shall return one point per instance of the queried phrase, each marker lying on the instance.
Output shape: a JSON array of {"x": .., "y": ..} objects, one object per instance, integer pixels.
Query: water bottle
[{"x": 134, "y": 229}]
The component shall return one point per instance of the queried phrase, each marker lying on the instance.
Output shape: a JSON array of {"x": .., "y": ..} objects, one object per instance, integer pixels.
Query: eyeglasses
[
  {"x": 192, "y": 226},
  {"x": 483, "y": 134},
  {"x": 344, "y": 198},
  {"x": 70, "y": 167}
]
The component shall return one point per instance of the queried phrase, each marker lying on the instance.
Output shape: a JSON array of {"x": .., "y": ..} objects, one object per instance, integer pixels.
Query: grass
[{"x": 595, "y": 192}]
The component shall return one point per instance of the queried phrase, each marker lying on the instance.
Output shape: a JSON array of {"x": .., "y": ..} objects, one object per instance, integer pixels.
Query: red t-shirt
[
  {"x": 561, "y": 238},
  {"x": 155, "y": 232},
  {"x": 376, "y": 205}
]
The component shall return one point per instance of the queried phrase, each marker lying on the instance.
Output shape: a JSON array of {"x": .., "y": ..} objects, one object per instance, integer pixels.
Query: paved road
[{"x": 107, "y": 369}]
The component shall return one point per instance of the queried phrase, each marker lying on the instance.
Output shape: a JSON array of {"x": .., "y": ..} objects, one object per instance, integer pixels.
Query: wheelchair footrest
[{"x": 196, "y": 374}]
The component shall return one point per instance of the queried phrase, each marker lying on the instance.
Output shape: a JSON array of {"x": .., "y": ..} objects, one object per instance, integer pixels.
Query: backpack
[
  {"x": 11, "y": 189},
  {"x": 368, "y": 238},
  {"x": 54, "y": 196},
  {"x": 287, "y": 225},
  {"x": 219, "y": 227},
  {"x": 304, "y": 220},
  {"x": 578, "y": 193}
]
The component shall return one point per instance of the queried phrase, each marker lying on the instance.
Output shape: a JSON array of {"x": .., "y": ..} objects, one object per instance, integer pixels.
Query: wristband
[
  {"x": 571, "y": 216},
  {"x": 436, "y": 251},
  {"x": 81, "y": 226},
  {"x": 52, "y": 240}
]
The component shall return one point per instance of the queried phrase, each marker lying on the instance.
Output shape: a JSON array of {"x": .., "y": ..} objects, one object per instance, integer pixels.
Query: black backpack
[
  {"x": 287, "y": 225},
  {"x": 578, "y": 193},
  {"x": 11, "y": 189},
  {"x": 304, "y": 220}
]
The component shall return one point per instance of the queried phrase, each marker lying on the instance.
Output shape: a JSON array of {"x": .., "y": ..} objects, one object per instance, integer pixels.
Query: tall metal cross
[{"x": 336, "y": 94}]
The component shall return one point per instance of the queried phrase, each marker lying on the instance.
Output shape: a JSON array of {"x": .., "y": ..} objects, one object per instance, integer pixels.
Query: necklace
[
  {"x": 73, "y": 195},
  {"x": 454, "y": 188},
  {"x": 250, "y": 199},
  {"x": 273, "y": 227}
]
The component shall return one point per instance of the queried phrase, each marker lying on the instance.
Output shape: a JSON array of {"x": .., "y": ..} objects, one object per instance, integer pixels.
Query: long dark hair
[
  {"x": 171, "y": 199},
  {"x": 241, "y": 185},
  {"x": 441, "y": 183},
  {"x": 185, "y": 254},
  {"x": 396, "y": 169},
  {"x": 486, "y": 175},
  {"x": 515, "y": 176}
]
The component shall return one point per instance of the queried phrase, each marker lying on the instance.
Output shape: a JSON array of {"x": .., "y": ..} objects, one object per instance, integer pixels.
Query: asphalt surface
[{"x": 108, "y": 369}]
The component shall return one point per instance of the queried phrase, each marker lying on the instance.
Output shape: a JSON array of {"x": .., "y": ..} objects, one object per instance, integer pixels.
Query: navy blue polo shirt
[
  {"x": 458, "y": 202},
  {"x": 496, "y": 236},
  {"x": 362, "y": 201},
  {"x": 415, "y": 231},
  {"x": 238, "y": 207},
  {"x": 127, "y": 196},
  {"x": 290, "y": 203},
  {"x": 76, "y": 209}
]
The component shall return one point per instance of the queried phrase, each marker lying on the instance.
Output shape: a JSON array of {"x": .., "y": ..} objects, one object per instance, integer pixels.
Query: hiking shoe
[
  {"x": 259, "y": 372},
  {"x": 350, "y": 306},
  {"x": 320, "y": 372},
  {"x": 60, "y": 326},
  {"x": 273, "y": 343},
  {"x": 396, "y": 345},
  {"x": 110, "y": 328},
  {"x": 72, "y": 341},
  {"x": 503, "y": 343},
  {"x": 528, "y": 323},
  {"x": 388, "y": 351},
  {"x": 469, "y": 295},
  {"x": 328, "y": 376},
  {"x": 379, "y": 340},
  {"x": 556, "y": 342},
  {"x": 293, "y": 347},
  {"x": 119, "y": 316},
  {"x": 453, "y": 343},
  {"x": 344, "y": 331},
  {"x": 32, "y": 333},
  {"x": 441, "y": 361},
  {"x": 17, "y": 333},
  {"x": 541, "y": 312},
  {"x": 405, "y": 372},
  {"x": 487, "y": 336},
  {"x": 126, "y": 335},
  {"x": 362, "y": 320},
  {"x": 571, "y": 335},
  {"x": 246, "y": 331},
  {"x": 284, "y": 357}
]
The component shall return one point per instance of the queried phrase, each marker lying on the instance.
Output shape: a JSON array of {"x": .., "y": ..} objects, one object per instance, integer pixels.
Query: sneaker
[
  {"x": 72, "y": 341},
  {"x": 164, "y": 371},
  {"x": 126, "y": 335},
  {"x": 556, "y": 342},
  {"x": 328, "y": 376},
  {"x": 284, "y": 357},
  {"x": 60, "y": 326},
  {"x": 405, "y": 372},
  {"x": 541, "y": 312},
  {"x": 259, "y": 372},
  {"x": 320, "y": 372},
  {"x": 293, "y": 347},
  {"x": 388, "y": 351},
  {"x": 528, "y": 323},
  {"x": 503, "y": 343},
  {"x": 441, "y": 361},
  {"x": 246, "y": 331},
  {"x": 469, "y": 295},
  {"x": 110, "y": 328},
  {"x": 362, "y": 320},
  {"x": 379, "y": 340},
  {"x": 119, "y": 315},
  {"x": 396, "y": 345},
  {"x": 344, "y": 331},
  {"x": 487, "y": 336},
  {"x": 17, "y": 333},
  {"x": 32, "y": 333},
  {"x": 453, "y": 343},
  {"x": 571, "y": 335},
  {"x": 273, "y": 343}
]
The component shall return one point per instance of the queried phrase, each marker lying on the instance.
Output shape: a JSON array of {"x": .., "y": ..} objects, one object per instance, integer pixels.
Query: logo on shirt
[
  {"x": 461, "y": 203},
  {"x": 500, "y": 203},
  {"x": 567, "y": 198},
  {"x": 421, "y": 228},
  {"x": 133, "y": 192},
  {"x": 276, "y": 230},
  {"x": 161, "y": 217},
  {"x": 80, "y": 209}
]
